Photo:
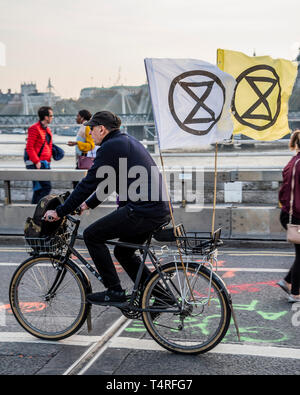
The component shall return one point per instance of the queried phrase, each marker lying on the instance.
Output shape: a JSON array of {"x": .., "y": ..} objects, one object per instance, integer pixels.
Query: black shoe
[{"x": 108, "y": 297}]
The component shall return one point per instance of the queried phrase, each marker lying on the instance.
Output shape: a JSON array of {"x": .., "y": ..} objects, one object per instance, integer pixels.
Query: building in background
[{"x": 28, "y": 100}]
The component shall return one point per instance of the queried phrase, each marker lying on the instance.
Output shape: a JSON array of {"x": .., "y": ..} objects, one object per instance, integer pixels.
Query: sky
[{"x": 82, "y": 43}]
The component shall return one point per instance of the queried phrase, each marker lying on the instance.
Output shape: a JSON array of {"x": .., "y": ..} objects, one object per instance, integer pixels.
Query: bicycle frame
[
  {"x": 145, "y": 248},
  {"x": 169, "y": 289}
]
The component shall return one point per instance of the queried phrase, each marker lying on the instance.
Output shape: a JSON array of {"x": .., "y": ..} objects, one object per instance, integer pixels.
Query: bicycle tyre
[
  {"x": 210, "y": 325},
  {"x": 60, "y": 316}
]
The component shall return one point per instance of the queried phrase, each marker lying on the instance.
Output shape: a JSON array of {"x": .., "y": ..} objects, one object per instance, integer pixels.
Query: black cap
[{"x": 105, "y": 118}]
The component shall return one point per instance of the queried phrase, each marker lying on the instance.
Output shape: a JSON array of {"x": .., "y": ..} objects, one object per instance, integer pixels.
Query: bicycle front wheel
[
  {"x": 48, "y": 299},
  {"x": 189, "y": 317}
]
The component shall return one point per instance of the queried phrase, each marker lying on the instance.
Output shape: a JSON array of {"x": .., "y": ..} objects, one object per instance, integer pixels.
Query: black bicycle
[{"x": 184, "y": 304}]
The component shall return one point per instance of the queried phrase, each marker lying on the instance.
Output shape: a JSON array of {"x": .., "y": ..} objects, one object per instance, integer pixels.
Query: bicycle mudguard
[{"x": 203, "y": 269}]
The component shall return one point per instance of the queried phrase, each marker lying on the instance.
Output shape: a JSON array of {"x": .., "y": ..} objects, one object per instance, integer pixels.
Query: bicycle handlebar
[
  {"x": 70, "y": 218},
  {"x": 77, "y": 211}
]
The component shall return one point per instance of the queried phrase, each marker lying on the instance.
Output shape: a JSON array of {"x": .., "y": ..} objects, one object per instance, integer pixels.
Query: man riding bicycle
[{"x": 123, "y": 165}]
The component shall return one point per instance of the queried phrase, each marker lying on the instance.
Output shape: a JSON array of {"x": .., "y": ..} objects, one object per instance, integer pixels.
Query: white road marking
[
  {"x": 264, "y": 252},
  {"x": 220, "y": 269},
  {"x": 234, "y": 349},
  {"x": 251, "y": 269},
  {"x": 22, "y": 249},
  {"x": 143, "y": 344},
  {"x": 260, "y": 254},
  {"x": 23, "y": 337},
  {"x": 221, "y": 252}
]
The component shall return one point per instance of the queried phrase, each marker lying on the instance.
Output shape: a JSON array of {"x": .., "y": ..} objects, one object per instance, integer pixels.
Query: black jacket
[{"x": 116, "y": 151}]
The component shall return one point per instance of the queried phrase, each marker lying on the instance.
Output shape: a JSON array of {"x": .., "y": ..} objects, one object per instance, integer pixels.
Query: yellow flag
[{"x": 260, "y": 102}]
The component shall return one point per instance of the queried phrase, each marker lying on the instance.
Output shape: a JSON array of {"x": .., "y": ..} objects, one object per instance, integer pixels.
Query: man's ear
[{"x": 103, "y": 131}]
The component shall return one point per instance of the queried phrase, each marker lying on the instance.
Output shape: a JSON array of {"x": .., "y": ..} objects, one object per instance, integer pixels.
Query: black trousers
[
  {"x": 127, "y": 226},
  {"x": 293, "y": 276},
  {"x": 44, "y": 191}
]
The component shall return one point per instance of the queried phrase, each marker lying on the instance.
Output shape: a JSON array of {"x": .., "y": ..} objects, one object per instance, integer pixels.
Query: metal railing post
[{"x": 7, "y": 192}]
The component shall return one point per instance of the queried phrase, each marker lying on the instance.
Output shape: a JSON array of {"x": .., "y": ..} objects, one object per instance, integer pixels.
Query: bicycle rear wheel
[
  {"x": 49, "y": 299},
  {"x": 186, "y": 325}
]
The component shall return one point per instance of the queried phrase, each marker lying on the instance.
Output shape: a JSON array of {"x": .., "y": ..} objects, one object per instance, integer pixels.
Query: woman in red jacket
[
  {"x": 291, "y": 283},
  {"x": 39, "y": 150}
]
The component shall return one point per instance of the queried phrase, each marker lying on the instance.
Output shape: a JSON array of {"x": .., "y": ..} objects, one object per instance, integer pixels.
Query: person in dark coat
[{"x": 122, "y": 164}]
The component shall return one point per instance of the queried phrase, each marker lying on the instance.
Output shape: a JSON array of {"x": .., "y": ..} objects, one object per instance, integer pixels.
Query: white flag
[{"x": 191, "y": 101}]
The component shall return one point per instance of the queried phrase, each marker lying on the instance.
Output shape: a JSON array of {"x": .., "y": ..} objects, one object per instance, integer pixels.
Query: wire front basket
[
  {"x": 47, "y": 245},
  {"x": 56, "y": 244},
  {"x": 191, "y": 243}
]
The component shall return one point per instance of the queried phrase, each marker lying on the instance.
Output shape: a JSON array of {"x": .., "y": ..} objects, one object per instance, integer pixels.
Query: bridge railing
[
  {"x": 186, "y": 179},
  {"x": 239, "y": 220},
  {"x": 64, "y": 120}
]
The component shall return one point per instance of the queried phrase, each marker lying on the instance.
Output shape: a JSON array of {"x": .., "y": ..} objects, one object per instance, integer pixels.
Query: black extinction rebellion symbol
[
  {"x": 187, "y": 84},
  {"x": 270, "y": 79}
]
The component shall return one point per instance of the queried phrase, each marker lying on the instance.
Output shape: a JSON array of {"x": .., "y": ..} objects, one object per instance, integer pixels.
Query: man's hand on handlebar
[
  {"x": 51, "y": 216},
  {"x": 83, "y": 207}
]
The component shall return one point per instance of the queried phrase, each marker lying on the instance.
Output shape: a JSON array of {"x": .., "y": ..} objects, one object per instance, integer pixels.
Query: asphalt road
[{"x": 269, "y": 328}]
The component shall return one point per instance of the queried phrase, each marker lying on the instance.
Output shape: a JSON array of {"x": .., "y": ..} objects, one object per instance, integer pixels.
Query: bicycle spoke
[
  {"x": 198, "y": 325},
  {"x": 54, "y": 314}
]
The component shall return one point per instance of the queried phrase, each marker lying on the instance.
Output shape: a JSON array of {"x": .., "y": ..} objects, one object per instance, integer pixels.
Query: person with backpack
[
  {"x": 142, "y": 209},
  {"x": 39, "y": 151}
]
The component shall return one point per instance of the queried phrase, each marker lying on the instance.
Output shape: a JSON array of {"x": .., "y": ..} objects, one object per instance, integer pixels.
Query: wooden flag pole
[
  {"x": 215, "y": 192},
  {"x": 213, "y": 229}
]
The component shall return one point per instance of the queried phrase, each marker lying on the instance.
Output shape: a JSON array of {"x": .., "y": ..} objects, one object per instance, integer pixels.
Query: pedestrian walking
[
  {"x": 39, "y": 151},
  {"x": 289, "y": 198}
]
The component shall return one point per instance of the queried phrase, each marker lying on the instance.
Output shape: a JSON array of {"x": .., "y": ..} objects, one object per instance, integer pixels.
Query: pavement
[{"x": 269, "y": 329}]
